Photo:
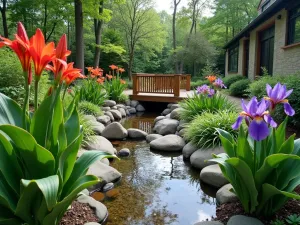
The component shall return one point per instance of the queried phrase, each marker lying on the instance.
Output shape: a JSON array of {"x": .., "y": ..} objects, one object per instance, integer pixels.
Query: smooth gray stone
[
  {"x": 175, "y": 114},
  {"x": 152, "y": 137},
  {"x": 166, "y": 126},
  {"x": 105, "y": 172},
  {"x": 115, "y": 130},
  {"x": 213, "y": 176},
  {"x": 117, "y": 115},
  {"x": 109, "y": 103},
  {"x": 132, "y": 111},
  {"x": 243, "y": 220},
  {"x": 101, "y": 144},
  {"x": 89, "y": 118},
  {"x": 166, "y": 112},
  {"x": 104, "y": 109},
  {"x": 121, "y": 106},
  {"x": 110, "y": 115},
  {"x": 188, "y": 150},
  {"x": 140, "y": 108},
  {"x": 174, "y": 106},
  {"x": 224, "y": 195},
  {"x": 168, "y": 143},
  {"x": 114, "y": 107},
  {"x": 134, "y": 103},
  {"x": 122, "y": 111},
  {"x": 125, "y": 152},
  {"x": 97, "y": 127},
  {"x": 108, "y": 187},
  {"x": 103, "y": 119},
  {"x": 136, "y": 133},
  {"x": 199, "y": 158},
  {"x": 158, "y": 119}
]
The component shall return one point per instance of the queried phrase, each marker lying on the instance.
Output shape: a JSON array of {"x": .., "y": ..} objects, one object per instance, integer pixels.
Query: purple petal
[
  {"x": 258, "y": 130},
  {"x": 252, "y": 106},
  {"x": 275, "y": 91},
  {"x": 244, "y": 107},
  {"x": 270, "y": 121},
  {"x": 288, "y": 93},
  {"x": 237, "y": 123},
  {"x": 269, "y": 90},
  {"x": 288, "y": 109},
  {"x": 281, "y": 93},
  {"x": 262, "y": 107}
]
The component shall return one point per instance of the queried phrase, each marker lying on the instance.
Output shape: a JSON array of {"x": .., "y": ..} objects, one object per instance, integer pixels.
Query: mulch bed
[
  {"x": 226, "y": 211},
  {"x": 79, "y": 214}
]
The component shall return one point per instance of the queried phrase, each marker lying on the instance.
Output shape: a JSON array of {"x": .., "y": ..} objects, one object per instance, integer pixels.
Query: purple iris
[
  {"x": 257, "y": 118},
  {"x": 219, "y": 83},
  {"x": 211, "y": 93},
  {"x": 204, "y": 89},
  {"x": 278, "y": 95}
]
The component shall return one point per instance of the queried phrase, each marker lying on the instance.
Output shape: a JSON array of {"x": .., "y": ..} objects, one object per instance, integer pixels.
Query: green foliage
[
  {"x": 123, "y": 98},
  {"x": 210, "y": 69},
  {"x": 258, "y": 88},
  {"x": 91, "y": 91},
  {"x": 89, "y": 108},
  {"x": 114, "y": 88},
  {"x": 277, "y": 222},
  {"x": 230, "y": 79},
  {"x": 40, "y": 176},
  {"x": 293, "y": 219},
  {"x": 198, "y": 104},
  {"x": 239, "y": 88},
  {"x": 263, "y": 174},
  {"x": 87, "y": 130},
  {"x": 202, "y": 130},
  {"x": 198, "y": 83}
]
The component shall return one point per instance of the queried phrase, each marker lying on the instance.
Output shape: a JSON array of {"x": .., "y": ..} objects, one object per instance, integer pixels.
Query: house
[{"x": 270, "y": 41}]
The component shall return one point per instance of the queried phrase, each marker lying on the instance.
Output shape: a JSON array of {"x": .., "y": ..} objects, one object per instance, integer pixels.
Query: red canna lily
[
  {"x": 21, "y": 47},
  {"x": 89, "y": 68},
  {"x": 97, "y": 72},
  {"x": 70, "y": 74},
  {"x": 211, "y": 78},
  {"x": 121, "y": 70},
  {"x": 109, "y": 76},
  {"x": 41, "y": 53},
  {"x": 101, "y": 80},
  {"x": 122, "y": 81},
  {"x": 113, "y": 67}
]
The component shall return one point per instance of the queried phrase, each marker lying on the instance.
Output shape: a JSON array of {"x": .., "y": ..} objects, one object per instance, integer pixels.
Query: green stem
[
  {"x": 64, "y": 94},
  {"x": 26, "y": 101},
  {"x": 254, "y": 170},
  {"x": 36, "y": 92}
]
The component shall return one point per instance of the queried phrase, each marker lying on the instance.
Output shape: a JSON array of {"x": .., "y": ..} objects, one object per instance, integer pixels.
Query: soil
[
  {"x": 226, "y": 211},
  {"x": 79, "y": 214}
]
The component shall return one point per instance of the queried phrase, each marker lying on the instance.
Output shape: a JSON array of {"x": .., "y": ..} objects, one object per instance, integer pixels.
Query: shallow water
[{"x": 157, "y": 188}]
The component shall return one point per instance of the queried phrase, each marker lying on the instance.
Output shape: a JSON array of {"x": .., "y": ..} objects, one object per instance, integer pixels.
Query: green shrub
[
  {"x": 89, "y": 108},
  {"x": 239, "y": 88},
  {"x": 123, "y": 98},
  {"x": 115, "y": 88},
  {"x": 198, "y": 83},
  {"x": 202, "y": 130},
  {"x": 230, "y": 79},
  {"x": 86, "y": 128},
  {"x": 258, "y": 88},
  {"x": 91, "y": 91},
  {"x": 198, "y": 104}
]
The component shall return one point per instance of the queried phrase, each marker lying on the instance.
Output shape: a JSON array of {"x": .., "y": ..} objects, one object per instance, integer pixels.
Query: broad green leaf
[
  {"x": 7, "y": 217},
  {"x": 288, "y": 146},
  {"x": 226, "y": 135},
  {"x": 37, "y": 162},
  {"x": 270, "y": 163},
  {"x": 59, "y": 209},
  {"x": 243, "y": 150},
  {"x": 68, "y": 112},
  {"x": 81, "y": 166},
  {"x": 10, "y": 112},
  {"x": 8, "y": 197},
  {"x": 280, "y": 135},
  {"x": 228, "y": 146},
  {"x": 72, "y": 127},
  {"x": 9, "y": 165}
]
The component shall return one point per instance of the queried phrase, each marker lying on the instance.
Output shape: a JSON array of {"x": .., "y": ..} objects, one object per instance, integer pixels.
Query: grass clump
[
  {"x": 88, "y": 108},
  {"x": 198, "y": 104},
  {"x": 239, "y": 88},
  {"x": 90, "y": 90},
  {"x": 231, "y": 79},
  {"x": 87, "y": 130},
  {"x": 202, "y": 130}
]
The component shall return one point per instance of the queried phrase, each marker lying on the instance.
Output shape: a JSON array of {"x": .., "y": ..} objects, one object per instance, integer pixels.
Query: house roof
[{"x": 274, "y": 8}]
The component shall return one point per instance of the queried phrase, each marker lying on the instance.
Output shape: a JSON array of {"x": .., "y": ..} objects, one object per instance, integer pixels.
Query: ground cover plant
[
  {"x": 262, "y": 164},
  {"x": 89, "y": 108},
  {"x": 239, "y": 88},
  {"x": 40, "y": 175},
  {"x": 231, "y": 79}
]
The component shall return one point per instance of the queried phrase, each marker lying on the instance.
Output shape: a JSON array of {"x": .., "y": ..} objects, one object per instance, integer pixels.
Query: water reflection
[{"x": 157, "y": 188}]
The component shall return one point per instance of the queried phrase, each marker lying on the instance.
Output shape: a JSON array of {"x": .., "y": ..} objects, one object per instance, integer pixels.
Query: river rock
[
  {"x": 108, "y": 187},
  {"x": 105, "y": 172},
  {"x": 140, "y": 108},
  {"x": 122, "y": 111},
  {"x": 114, "y": 108},
  {"x": 170, "y": 105},
  {"x": 110, "y": 115},
  {"x": 182, "y": 124},
  {"x": 182, "y": 132},
  {"x": 188, "y": 150},
  {"x": 127, "y": 112},
  {"x": 136, "y": 133},
  {"x": 89, "y": 118},
  {"x": 152, "y": 137},
  {"x": 243, "y": 220},
  {"x": 166, "y": 126},
  {"x": 213, "y": 176},
  {"x": 132, "y": 111},
  {"x": 158, "y": 119},
  {"x": 103, "y": 119},
  {"x": 199, "y": 157},
  {"x": 124, "y": 152},
  {"x": 209, "y": 223},
  {"x": 101, "y": 144},
  {"x": 174, "y": 106},
  {"x": 115, "y": 131},
  {"x": 121, "y": 106},
  {"x": 224, "y": 195},
  {"x": 168, "y": 116},
  {"x": 97, "y": 127},
  {"x": 109, "y": 103},
  {"x": 134, "y": 103},
  {"x": 127, "y": 102},
  {"x": 100, "y": 209},
  {"x": 105, "y": 109},
  {"x": 105, "y": 161},
  {"x": 168, "y": 143},
  {"x": 175, "y": 114},
  {"x": 117, "y": 115},
  {"x": 166, "y": 112}
]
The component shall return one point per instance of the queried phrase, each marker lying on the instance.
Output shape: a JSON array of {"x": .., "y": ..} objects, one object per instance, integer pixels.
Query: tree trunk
[
  {"x": 130, "y": 64},
  {"x": 4, "y": 19},
  {"x": 98, "y": 36},
  {"x": 79, "y": 35}
]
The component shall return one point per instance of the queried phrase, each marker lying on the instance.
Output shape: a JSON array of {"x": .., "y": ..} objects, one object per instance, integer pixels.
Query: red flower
[
  {"x": 211, "y": 78},
  {"x": 97, "y": 72},
  {"x": 101, "y": 80},
  {"x": 21, "y": 47},
  {"x": 41, "y": 53},
  {"x": 89, "y": 68},
  {"x": 113, "y": 67},
  {"x": 122, "y": 81},
  {"x": 121, "y": 70},
  {"x": 109, "y": 76},
  {"x": 70, "y": 74}
]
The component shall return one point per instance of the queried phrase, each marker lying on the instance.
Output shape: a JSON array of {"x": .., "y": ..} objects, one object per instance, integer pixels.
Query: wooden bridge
[{"x": 160, "y": 87}]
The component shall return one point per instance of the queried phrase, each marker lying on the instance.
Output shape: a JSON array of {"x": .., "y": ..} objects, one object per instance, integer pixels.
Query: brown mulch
[
  {"x": 226, "y": 211},
  {"x": 79, "y": 214}
]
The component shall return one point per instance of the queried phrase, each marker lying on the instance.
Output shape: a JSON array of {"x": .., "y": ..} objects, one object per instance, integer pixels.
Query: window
[
  {"x": 265, "y": 5},
  {"x": 233, "y": 59},
  {"x": 294, "y": 26}
]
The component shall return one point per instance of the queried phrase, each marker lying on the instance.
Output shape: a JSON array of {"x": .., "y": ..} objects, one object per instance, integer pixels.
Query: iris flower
[
  {"x": 278, "y": 95},
  {"x": 219, "y": 83},
  {"x": 257, "y": 118},
  {"x": 205, "y": 90}
]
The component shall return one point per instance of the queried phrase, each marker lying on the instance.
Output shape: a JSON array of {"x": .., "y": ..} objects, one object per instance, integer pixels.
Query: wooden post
[
  {"x": 188, "y": 82},
  {"x": 134, "y": 84},
  {"x": 176, "y": 84}
]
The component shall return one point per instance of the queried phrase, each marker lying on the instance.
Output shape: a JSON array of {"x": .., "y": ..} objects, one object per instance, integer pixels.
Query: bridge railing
[{"x": 161, "y": 83}]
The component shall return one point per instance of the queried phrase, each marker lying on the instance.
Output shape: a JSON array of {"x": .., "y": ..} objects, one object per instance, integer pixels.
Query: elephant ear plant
[
  {"x": 262, "y": 164},
  {"x": 39, "y": 173}
]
